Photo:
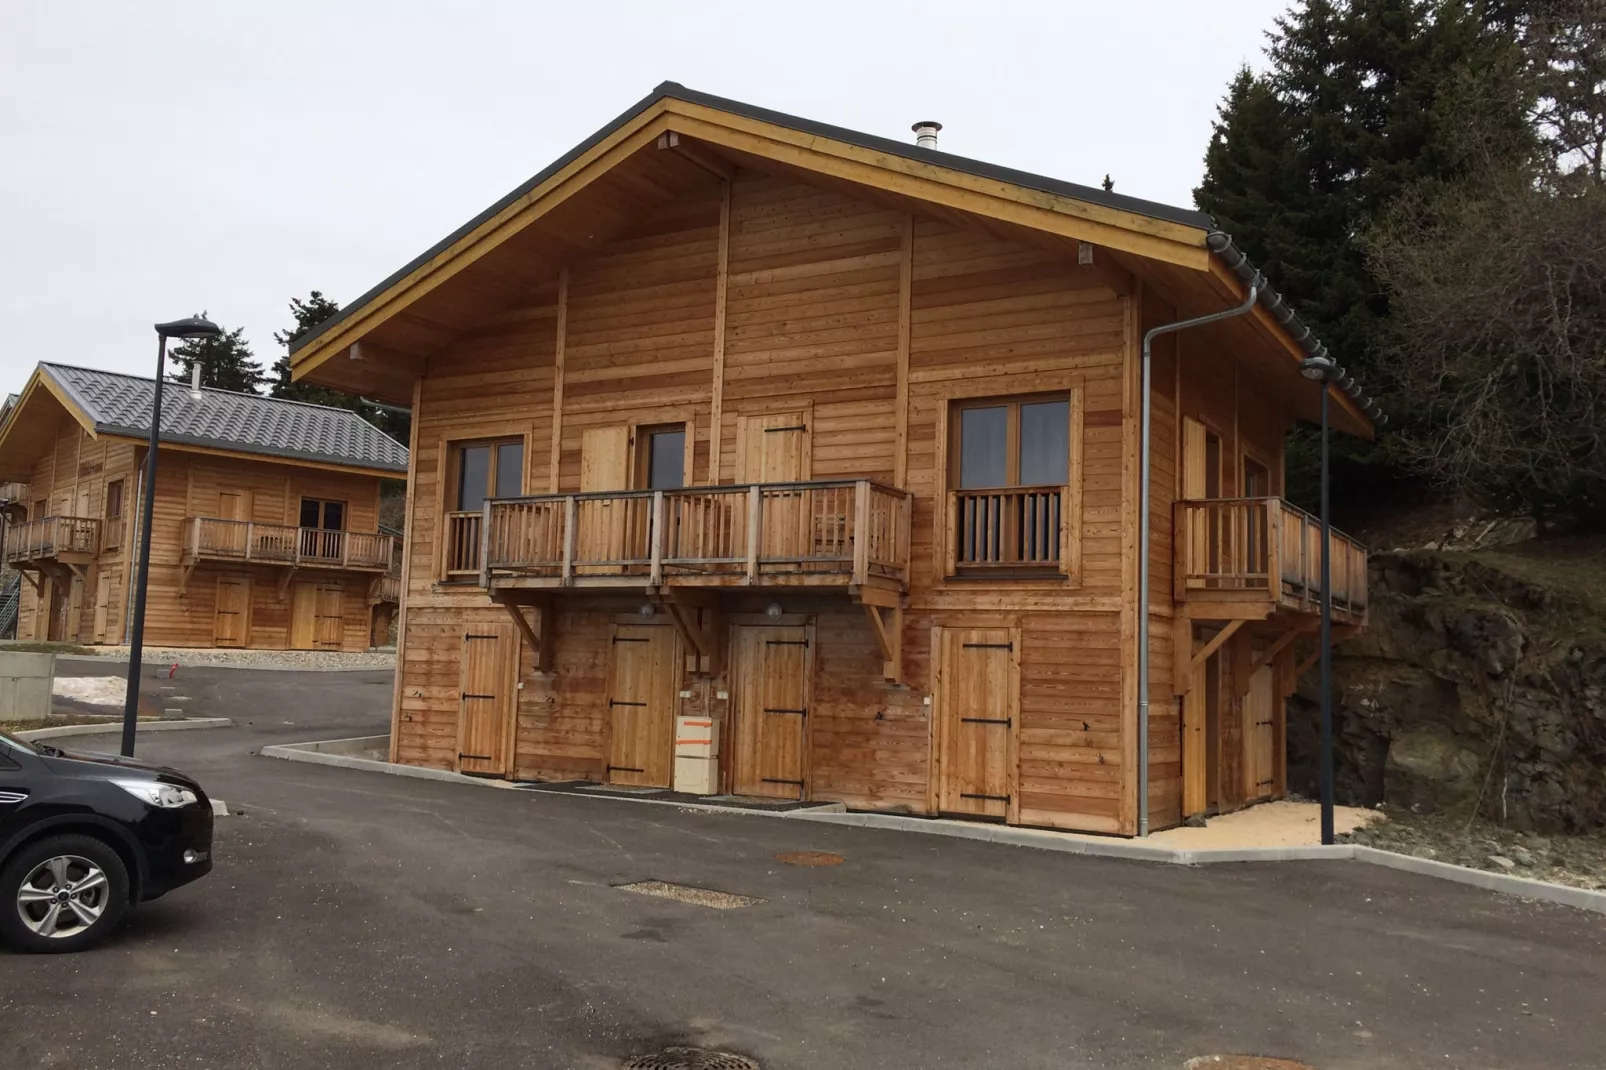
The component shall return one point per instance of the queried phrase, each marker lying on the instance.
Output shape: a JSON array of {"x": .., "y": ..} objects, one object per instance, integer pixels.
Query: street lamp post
[{"x": 193, "y": 327}]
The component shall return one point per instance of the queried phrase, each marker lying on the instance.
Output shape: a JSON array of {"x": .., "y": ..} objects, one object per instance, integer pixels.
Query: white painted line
[{"x": 220, "y": 808}]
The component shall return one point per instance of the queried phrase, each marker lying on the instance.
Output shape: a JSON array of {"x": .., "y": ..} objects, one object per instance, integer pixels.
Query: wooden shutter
[
  {"x": 978, "y": 696},
  {"x": 485, "y": 718},
  {"x": 775, "y": 448},
  {"x": 601, "y": 523},
  {"x": 1195, "y": 747},
  {"x": 303, "y": 616},
  {"x": 1260, "y": 769},
  {"x": 103, "y": 603},
  {"x": 330, "y": 627},
  {"x": 231, "y": 617}
]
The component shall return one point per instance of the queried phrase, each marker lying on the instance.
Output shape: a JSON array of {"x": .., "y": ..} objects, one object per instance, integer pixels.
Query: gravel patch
[
  {"x": 1578, "y": 861},
  {"x": 257, "y": 659}
]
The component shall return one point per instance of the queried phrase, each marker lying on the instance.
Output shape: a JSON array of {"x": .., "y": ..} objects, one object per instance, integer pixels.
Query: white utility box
[{"x": 27, "y": 679}]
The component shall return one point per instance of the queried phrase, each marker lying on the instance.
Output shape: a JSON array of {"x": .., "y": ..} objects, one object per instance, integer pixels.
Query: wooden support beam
[
  {"x": 1215, "y": 644},
  {"x": 889, "y": 638},
  {"x": 696, "y": 153},
  {"x": 185, "y": 572},
  {"x": 285, "y": 576},
  {"x": 557, "y": 379},
  {"x": 900, "y": 435},
  {"x": 696, "y": 615},
  {"x": 716, "y": 417},
  {"x": 1181, "y": 643},
  {"x": 875, "y": 596},
  {"x": 539, "y": 638},
  {"x": 1265, "y": 657}
]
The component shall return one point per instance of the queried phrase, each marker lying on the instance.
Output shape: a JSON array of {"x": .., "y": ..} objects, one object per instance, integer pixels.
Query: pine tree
[
  {"x": 1363, "y": 101},
  {"x": 308, "y": 314},
  {"x": 225, "y": 360}
]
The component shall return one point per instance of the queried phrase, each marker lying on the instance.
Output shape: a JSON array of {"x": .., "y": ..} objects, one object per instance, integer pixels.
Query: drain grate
[
  {"x": 690, "y": 1059},
  {"x": 685, "y": 893},
  {"x": 809, "y": 858}
]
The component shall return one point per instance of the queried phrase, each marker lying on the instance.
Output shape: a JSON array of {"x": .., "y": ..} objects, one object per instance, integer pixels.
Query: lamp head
[
  {"x": 189, "y": 327},
  {"x": 1318, "y": 369}
]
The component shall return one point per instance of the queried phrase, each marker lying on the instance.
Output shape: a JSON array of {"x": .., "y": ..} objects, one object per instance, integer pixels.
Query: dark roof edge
[
  {"x": 1237, "y": 262},
  {"x": 259, "y": 451},
  {"x": 676, "y": 91}
]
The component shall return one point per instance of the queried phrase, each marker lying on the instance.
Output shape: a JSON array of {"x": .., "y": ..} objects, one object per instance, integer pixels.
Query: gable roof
[
  {"x": 116, "y": 404},
  {"x": 1179, "y": 249},
  {"x": 1187, "y": 217}
]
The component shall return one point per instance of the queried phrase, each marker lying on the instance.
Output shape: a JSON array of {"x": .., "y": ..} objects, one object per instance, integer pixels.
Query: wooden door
[
  {"x": 232, "y": 504},
  {"x": 601, "y": 524},
  {"x": 231, "y": 621},
  {"x": 1260, "y": 769},
  {"x": 776, "y": 448},
  {"x": 74, "y": 622},
  {"x": 317, "y": 615},
  {"x": 82, "y": 503},
  {"x": 643, "y": 692},
  {"x": 103, "y": 603},
  {"x": 485, "y": 719},
  {"x": 978, "y": 695},
  {"x": 770, "y": 683}
]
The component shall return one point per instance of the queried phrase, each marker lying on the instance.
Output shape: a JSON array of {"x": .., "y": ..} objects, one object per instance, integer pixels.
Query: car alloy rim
[{"x": 62, "y": 896}]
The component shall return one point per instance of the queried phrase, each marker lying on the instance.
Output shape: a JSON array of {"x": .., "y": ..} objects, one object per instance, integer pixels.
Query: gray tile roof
[{"x": 121, "y": 405}]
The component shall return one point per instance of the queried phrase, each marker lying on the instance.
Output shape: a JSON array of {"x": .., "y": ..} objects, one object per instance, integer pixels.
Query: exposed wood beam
[
  {"x": 556, "y": 423},
  {"x": 695, "y": 153},
  {"x": 539, "y": 638},
  {"x": 716, "y": 420},
  {"x": 906, "y": 271},
  {"x": 889, "y": 639},
  {"x": 1272, "y": 651},
  {"x": 1216, "y": 642}
]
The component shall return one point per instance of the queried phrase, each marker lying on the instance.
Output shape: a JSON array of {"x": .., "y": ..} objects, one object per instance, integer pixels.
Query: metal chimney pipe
[
  {"x": 195, "y": 380},
  {"x": 926, "y": 133}
]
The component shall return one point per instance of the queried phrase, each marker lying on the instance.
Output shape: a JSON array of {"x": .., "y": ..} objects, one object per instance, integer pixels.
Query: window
[
  {"x": 1257, "y": 479},
  {"x": 329, "y": 516},
  {"x": 1014, "y": 444},
  {"x": 1011, "y": 467},
  {"x": 488, "y": 470},
  {"x": 661, "y": 454},
  {"x": 112, "y": 530},
  {"x": 479, "y": 471}
]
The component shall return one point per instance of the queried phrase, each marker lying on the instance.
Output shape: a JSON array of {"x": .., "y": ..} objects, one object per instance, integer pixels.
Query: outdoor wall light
[
  {"x": 645, "y": 611},
  {"x": 773, "y": 611}
]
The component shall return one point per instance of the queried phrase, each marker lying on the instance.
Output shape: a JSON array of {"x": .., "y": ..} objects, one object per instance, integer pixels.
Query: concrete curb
[
  {"x": 117, "y": 726},
  {"x": 338, "y": 753},
  {"x": 327, "y": 752},
  {"x": 105, "y": 659}
]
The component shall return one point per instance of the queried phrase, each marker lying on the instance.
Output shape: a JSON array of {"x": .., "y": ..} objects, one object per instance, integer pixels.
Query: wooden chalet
[
  {"x": 829, "y": 446},
  {"x": 265, "y": 531}
]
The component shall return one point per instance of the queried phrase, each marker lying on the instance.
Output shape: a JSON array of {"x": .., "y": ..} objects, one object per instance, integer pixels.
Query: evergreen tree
[
  {"x": 308, "y": 314},
  {"x": 225, "y": 360},
  {"x": 1363, "y": 100}
]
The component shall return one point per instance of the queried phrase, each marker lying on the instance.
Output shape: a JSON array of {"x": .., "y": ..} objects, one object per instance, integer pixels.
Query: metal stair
[{"x": 10, "y": 602}]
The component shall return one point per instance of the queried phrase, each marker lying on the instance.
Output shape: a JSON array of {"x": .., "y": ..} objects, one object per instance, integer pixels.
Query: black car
[{"x": 84, "y": 836}]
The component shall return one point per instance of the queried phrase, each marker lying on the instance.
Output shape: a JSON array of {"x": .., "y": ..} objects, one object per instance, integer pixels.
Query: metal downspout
[{"x": 1255, "y": 286}]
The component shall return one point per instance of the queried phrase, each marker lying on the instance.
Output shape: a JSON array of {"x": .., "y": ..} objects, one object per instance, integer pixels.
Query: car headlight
[{"x": 166, "y": 796}]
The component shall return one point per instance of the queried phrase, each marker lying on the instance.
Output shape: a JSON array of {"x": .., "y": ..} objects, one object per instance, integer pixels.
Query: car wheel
[{"x": 62, "y": 894}]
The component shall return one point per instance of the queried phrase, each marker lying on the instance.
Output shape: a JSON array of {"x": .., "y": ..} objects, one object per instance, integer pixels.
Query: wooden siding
[
  {"x": 765, "y": 296},
  {"x": 73, "y": 475}
]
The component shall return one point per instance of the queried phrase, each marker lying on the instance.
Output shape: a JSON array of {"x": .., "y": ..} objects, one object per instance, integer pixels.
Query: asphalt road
[{"x": 358, "y": 920}]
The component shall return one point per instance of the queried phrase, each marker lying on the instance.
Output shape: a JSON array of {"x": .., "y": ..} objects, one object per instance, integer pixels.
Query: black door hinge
[
  {"x": 1009, "y": 721},
  {"x": 1010, "y": 646}
]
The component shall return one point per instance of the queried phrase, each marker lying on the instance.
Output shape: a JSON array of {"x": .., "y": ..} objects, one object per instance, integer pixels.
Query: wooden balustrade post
[
  {"x": 250, "y": 538},
  {"x": 905, "y": 524},
  {"x": 755, "y": 520},
  {"x": 655, "y": 553},
  {"x": 485, "y": 544},
  {"x": 571, "y": 519},
  {"x": 861, "y": 531},
  {"x": 1274, "y": 548}
]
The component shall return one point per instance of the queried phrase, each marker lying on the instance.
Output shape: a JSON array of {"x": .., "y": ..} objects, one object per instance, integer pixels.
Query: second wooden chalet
[
  {"x": 266, "y": 519},
  {"x": 828, "y": 446}
]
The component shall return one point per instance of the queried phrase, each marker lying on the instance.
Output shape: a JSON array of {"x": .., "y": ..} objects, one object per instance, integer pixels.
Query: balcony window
[
  {"x": 663, "y": 459},
  {"x": 113, "y": 533},
  {"x": 479, "y": 471},
  {"x": 1012, "y": 464}
]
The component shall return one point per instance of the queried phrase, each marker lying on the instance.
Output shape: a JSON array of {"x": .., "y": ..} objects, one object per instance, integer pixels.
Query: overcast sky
[{"x": 160, "y": 158}]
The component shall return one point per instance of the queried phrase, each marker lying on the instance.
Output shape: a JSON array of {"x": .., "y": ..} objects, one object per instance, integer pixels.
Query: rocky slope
[{"x": 1479, "y": 683}]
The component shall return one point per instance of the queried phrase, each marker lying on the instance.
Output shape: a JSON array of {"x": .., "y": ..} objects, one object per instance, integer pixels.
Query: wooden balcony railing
[
  {"x": 50, "y": 538},
  {"x": 463, "y": 545},
  {"x": 385, "y": 589},
  {"x": 213, "y": 539},
  {"x": 1263, "y": 548},
  {"x": 853, "y": 530},
  {"x": 1007, "y": 529}
]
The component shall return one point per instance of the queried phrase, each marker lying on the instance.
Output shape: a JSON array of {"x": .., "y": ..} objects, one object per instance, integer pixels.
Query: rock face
[{"x": 1474, "y": 683}]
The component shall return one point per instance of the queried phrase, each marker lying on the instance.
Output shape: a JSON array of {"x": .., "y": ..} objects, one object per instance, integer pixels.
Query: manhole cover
[
  {"x": 809, "y": 858},
  {"x": 690, "y": 1059},
  {"x": 1243, "y": 1062}
]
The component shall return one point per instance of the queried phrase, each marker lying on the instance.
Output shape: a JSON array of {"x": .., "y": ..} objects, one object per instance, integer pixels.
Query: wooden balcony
[
  {"x": 67, "y": 540},
  {"x": 244, "y": 542},
  {"x": 828, "y": 533},
  {"x": 1004, "y": 531},
  {"x": 1250, "y": 558}
]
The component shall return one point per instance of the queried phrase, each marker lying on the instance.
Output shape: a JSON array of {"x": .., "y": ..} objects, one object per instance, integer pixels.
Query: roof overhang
[
  {"x": 31, "y": 426},
  {"x": 1168, "y": 246}
]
